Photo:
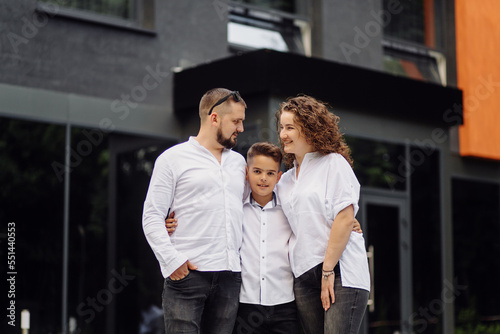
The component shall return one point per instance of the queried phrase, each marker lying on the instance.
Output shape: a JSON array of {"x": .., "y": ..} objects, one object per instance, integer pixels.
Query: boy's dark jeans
[
  {"x": 259, "y": 319},
  {"x": 202, "y": 302}
]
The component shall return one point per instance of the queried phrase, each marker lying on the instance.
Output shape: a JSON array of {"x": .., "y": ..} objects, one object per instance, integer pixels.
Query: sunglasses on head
[{"x": 236, "y": 97}]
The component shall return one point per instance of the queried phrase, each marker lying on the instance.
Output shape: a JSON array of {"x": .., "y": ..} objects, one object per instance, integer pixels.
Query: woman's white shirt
[{"x": 326, "y": 185}]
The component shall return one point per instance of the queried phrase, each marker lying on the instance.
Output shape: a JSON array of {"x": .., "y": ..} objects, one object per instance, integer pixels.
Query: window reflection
[
  {"x": 413, "y": 39},
  {"x": 383, "y": 165},
  {"x": 413, "y": 66},
  {"x": 118, "y": 8},
  {"x": 32, "y": 196},
  {"x": 138, "y": 306},
  {"x": 426, "y": 239},
  {"x": 408, "y": 24},
  {"x": 476, "y": 244},
  {"x": 288, "y": 6},
  {"x": 378, "y": 164},
  {"x": 138, "y": 11}
]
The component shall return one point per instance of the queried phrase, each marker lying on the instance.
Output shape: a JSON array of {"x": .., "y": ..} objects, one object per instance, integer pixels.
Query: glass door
[{"x": 384, "y": 216}]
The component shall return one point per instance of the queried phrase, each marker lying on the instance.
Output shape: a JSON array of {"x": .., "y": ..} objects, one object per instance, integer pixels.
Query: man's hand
[
  {"x": 182, "y": 271},
  {"x": 171, "y": 223}
]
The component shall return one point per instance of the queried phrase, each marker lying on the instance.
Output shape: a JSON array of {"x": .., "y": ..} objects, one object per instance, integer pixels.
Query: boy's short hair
[{"x": 266, "y": 149}]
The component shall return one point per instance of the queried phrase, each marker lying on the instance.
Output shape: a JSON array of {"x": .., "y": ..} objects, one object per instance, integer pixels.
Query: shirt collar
[
  {"x": 272, "y": 204},
  {"x": 307, "y": 157},
  {"x": 192, "y": 140}
]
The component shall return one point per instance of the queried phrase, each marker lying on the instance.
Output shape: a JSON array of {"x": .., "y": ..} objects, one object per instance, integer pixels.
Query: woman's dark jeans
[{"x": 343, "y": 317}]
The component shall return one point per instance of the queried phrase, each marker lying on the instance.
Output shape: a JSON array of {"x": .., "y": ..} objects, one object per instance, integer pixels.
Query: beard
[{"x": 226, "y": 142}]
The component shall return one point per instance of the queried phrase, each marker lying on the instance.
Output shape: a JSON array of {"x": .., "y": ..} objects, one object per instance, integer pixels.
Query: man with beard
[{"x": 203, "y": 181}]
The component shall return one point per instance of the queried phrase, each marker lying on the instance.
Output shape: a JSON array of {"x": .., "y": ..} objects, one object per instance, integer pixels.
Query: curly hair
[{"x": 319, "y": 126}]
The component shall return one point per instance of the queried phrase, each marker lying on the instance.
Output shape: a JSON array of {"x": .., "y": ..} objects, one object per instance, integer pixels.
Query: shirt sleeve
[
  {"x": 342, "y": 187},
  {"x": 159, "y": 198}
]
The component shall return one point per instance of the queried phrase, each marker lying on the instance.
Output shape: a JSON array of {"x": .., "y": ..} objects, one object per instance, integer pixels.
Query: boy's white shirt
[{"x": 267, "y": 277}]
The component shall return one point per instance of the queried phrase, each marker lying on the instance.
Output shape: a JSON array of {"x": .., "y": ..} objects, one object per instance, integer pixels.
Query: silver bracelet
[{"x": 327, "y": 273}]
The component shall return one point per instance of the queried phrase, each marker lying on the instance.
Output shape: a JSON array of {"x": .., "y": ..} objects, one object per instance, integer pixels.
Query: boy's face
[{"x": 263, "y": 173}]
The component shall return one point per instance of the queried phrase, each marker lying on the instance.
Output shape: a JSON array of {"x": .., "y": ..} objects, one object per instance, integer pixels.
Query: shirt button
[{"x": 262, "y": 278}]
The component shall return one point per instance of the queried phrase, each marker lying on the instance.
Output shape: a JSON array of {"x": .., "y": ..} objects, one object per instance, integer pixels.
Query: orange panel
[
  {"x": 430, "y": 27},
  {"x": 478, "y": 67}
]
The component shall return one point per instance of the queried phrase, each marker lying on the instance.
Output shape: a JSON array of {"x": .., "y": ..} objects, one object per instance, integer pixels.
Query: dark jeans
[
  {"x": 343, "y": 317},
  {"x": 202, "y": 302},
  {"x": 258, "y": 319}
]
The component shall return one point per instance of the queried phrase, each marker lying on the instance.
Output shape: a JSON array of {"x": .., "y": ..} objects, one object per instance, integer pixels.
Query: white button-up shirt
[
  {"x": 207, "y": 199},
  {"x": 325, "y": 186},
  {"x": 267, "y": 278}
]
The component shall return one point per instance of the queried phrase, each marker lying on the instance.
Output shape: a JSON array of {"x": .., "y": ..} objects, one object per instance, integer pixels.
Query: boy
[{"x": 266, "y": 299}]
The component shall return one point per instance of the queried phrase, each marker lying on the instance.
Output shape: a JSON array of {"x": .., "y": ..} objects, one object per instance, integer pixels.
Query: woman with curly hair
[{"x": 319, "y": 195}]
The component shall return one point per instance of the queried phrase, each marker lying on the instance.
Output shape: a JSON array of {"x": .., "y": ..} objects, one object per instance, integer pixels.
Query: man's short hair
[
  {"x": 266, "y": 149},
  {"x": 211, "y": 97}
]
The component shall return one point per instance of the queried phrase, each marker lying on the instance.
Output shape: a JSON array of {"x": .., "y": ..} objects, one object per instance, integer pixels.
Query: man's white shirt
[{"x": 206, "y": 197}]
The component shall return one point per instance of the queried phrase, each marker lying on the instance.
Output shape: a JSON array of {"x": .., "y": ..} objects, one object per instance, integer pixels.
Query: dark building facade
[{"x": 115, "y": 83}]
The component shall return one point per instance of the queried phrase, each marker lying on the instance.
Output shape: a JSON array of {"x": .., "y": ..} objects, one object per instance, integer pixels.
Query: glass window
[
  {"x": 383, "y": 165},
  {"x": 32, "y": 197},
  {"x": 119, "y": 8},
  {"x": 289, "y": 6},
  {"x": 88, "y": 228},
  {"x": 476, "y": 249},
  {"x": 378, "y": 164},
  {"x": 419, "y": 67},
  {"x": 407, "y": 23},
  {"x": 412, "y": 20},
  {"x": 412, "y": 39},
  {"x": 139, "y": 305},
  {"x": 382, "y": 222},
  {"x": 277, "y": 25},
  {"x": 426, "y": 241},
  {"x": 140, "y": 12},
  {"x": 254, "y": 37}
]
